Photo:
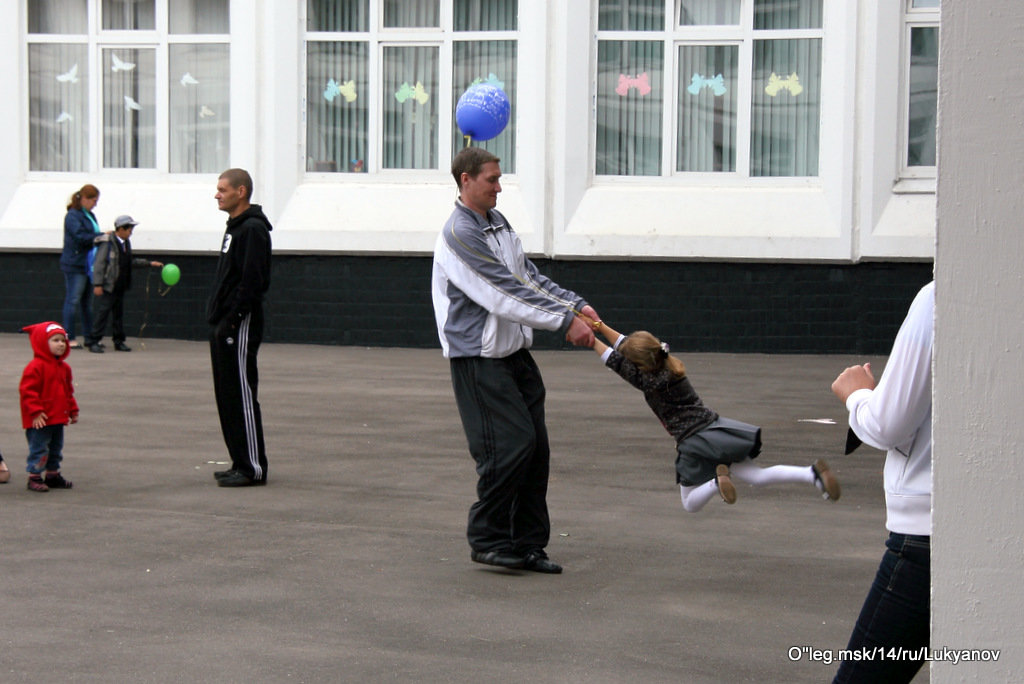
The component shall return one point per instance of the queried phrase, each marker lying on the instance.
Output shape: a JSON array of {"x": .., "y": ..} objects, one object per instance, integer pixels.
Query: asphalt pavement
[{"x": 352, "y": 564}]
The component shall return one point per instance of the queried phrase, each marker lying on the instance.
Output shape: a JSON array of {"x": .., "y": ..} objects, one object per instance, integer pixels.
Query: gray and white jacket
[{"x": 488, "y": 297}]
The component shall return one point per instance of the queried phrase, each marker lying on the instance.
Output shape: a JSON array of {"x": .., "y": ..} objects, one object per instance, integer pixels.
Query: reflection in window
[
  {"x": 129, "y": 108},
  {"x": 631, "y": 15},
  {"x": 199, "y": 108},
  {"x": 338, "y": 15},
  {"x": 709, "y": 12},
  {"x": 485, "y": 15},
  {"x": 58, "y": 88},
  {"x": 785, "y": 108},
  {"x": 199, "y": 16},
  {"x": 405, "y": 14},
  {"x": 924, "y": 74},
  {"x": 409, "y": 79},
  {"x": 629, "y": 107},
  {"x": 337, "y": 97},
  {"x": 787, "y": 14},
  {"x": 57, "y": 16},
  {"x": 129, "y": 15},
  {"x": 706, "y": 135}
]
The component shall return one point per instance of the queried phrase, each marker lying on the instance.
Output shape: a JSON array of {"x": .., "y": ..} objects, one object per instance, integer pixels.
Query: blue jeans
[
  {"x": 895, "y": 614},
  {"x": 77, "y": 298},
  {"x": 45, "y": 447}
]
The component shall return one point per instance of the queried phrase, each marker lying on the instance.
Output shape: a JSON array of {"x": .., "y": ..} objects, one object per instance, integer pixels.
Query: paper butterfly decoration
[
  {"x": 639, "y": 82},
  {"x": 775, "y": 84},
  {"x": 405, "y": 91},
  {"x": 187, "y": 79},
  {"x": 130, "y": 104},
  {"x": 119, "y": 65},
  {"x": 69, "y": 76},
  {"x": 716, "y": 84},
  {"x": 205, "y": 111},
  {"x": 64, "y": 117},
  {"x": 346, "y": 89},
  {"x": 492, "y": 79}
]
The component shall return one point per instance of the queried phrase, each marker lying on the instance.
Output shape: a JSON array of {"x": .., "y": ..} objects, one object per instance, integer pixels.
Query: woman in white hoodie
[{"x": 891, "y": 634}]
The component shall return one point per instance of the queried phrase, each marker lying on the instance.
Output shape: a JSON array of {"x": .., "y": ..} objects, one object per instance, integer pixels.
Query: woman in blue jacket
[{"x": 80, "y": 229}]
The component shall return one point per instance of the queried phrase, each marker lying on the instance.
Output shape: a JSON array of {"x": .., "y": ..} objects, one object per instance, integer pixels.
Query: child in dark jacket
[
  {"x": 47, "y": 405},
  {"x": 711, "y": 450}
]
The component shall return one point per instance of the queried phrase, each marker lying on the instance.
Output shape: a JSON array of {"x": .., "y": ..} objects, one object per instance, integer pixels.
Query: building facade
[{"x": 792, "y": 136}]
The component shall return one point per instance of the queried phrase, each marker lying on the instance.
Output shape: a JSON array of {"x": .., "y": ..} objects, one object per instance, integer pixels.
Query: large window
[
  {"x": 128, "y": 84},
  {"x": 708, "y": 86},
  {"x": 920, "y": 87},
  {"x": 383, "y": 79}
]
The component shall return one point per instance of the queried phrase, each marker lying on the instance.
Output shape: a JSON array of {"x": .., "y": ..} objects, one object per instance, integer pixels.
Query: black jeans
[
  {"x": 108, "y": 306},
  {"x": 501, "y": 403},
  {"x": 895, "y": 615}
]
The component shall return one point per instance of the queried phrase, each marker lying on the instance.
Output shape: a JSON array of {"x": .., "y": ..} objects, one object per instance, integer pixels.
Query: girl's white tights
[{"x": 694, "y": 498}]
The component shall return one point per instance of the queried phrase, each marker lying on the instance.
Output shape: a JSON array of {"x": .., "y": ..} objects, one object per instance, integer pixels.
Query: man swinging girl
[{"x": 711, "y": 450}]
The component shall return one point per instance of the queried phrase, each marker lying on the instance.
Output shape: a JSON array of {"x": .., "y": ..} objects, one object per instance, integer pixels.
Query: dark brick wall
[{"x": 777, "y": 307}]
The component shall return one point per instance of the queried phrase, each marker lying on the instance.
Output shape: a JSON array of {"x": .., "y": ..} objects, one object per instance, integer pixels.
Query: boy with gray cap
[{"x": 111, "y": 278}]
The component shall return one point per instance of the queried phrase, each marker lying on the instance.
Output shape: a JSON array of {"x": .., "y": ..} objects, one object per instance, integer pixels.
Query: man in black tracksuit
[{"x": 235, "y": 312}]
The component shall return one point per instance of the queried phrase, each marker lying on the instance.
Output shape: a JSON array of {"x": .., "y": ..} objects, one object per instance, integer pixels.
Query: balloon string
[{"x": 145, "y": 311}]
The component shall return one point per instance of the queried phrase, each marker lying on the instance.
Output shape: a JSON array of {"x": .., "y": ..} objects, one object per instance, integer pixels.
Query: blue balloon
[{"x": 482, "y": 112}]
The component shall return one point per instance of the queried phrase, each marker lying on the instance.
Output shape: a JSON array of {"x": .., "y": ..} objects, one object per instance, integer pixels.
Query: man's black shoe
[
  {"x": 96, "y": 348},
  {"x": 233, "y": 478},
  {"x": 538, "y": 561},
  {"x": 121, "y": 346},
  {"x": 221, "y": 474},
  {"x": 502, "y": 559}
]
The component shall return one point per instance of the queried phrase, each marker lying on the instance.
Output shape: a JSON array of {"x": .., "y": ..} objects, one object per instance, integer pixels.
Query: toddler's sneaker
[
  {"x": 56, "y": 481},
  {"x": 36, "y": 484}
]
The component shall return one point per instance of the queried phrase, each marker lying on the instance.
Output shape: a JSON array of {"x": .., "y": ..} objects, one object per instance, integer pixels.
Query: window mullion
[
  {"x": 745, "y": 103},
  {"x": 670, "y": 105}
]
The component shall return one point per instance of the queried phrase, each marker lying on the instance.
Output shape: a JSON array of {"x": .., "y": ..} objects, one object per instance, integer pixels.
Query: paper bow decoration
[
  {"x": 716, "y": 84},
  {"x": 491, "y": 79},
  {"x": 639, "y": 82},
  {"x": 775, "y": 84},
  {"x": 406, "y": 91},
  {"x": 347, "y": 89}
]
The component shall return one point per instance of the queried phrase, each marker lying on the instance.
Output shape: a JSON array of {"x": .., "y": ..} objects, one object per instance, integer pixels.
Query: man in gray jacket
[
  {"x": 111, "y": 278},
  {"x": 488, "y": 297}
]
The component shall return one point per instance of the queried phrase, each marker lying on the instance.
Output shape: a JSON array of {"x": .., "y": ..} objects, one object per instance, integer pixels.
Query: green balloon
[{"x": 170, "y": 274}]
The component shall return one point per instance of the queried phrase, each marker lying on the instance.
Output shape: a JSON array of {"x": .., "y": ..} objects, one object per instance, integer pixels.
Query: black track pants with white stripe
[{"x": 235, "y": 379}]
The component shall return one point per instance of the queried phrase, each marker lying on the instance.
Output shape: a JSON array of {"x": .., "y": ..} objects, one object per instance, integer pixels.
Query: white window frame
[
  {"x": 380, "y": 37},
  {"x": 673, "y": 36},
  {"x": 96, "y": 40},
  {"x": 912, "y": 178}
]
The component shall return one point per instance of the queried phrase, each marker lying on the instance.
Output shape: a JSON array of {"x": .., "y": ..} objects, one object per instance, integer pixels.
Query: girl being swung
[{"x": 711, "y": 450}]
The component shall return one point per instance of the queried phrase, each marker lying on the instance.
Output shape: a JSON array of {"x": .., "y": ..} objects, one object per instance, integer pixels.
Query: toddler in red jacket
[{"x": 47, "y": 405}]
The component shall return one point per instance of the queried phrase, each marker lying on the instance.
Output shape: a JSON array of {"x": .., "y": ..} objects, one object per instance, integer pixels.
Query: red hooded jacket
[{"x": 46, "y": 383}]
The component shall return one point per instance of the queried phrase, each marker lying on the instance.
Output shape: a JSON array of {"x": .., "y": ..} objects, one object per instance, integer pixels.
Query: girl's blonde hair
[{"x": 649, "y": 355}]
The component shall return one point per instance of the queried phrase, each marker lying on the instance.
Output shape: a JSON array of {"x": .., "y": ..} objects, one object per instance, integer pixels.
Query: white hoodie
[{"x": 897, "y": 416}]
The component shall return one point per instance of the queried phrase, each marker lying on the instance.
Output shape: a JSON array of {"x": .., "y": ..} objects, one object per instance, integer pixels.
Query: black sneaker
[
  {"x": 237, "y": 479},
  {"x": 57, "y": 481}
]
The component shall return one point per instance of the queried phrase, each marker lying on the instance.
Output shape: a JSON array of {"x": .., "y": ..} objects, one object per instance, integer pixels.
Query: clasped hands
[{"x": 581, "y": 332}]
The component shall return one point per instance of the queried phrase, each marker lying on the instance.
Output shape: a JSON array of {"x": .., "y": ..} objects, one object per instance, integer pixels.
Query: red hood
[{"x": 40, "y": 335}]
